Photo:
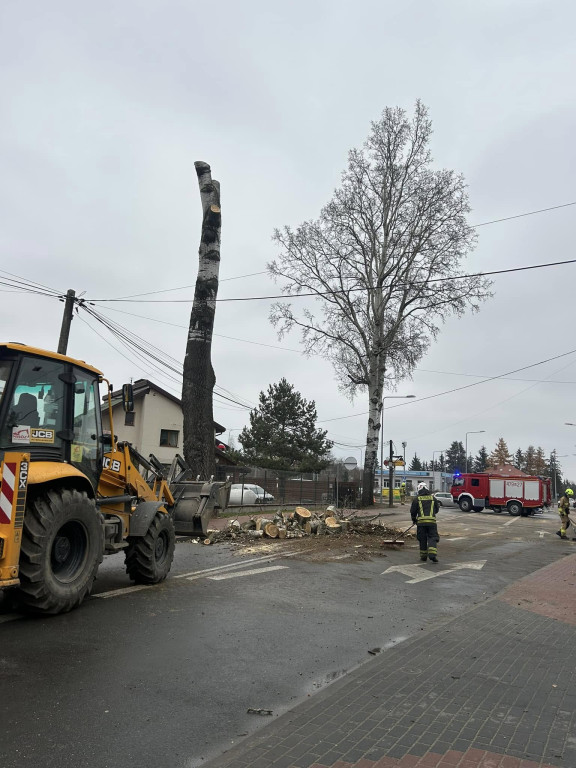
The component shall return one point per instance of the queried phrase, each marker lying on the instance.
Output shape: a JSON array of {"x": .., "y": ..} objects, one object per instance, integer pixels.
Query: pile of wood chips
[{"x": 297, "y": 524}]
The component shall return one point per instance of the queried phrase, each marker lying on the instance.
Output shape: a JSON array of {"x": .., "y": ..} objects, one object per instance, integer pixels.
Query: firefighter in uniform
[
  {"x": 563, "y": 511},
  {"x": 423, "y": 512}
]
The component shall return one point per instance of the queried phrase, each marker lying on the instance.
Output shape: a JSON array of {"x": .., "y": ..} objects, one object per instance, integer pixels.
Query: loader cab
[{"x": 49, "y": 406}]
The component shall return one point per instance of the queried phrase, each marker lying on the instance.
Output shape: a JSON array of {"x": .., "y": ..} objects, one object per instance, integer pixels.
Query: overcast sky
[{"x": 105, "y": 107}]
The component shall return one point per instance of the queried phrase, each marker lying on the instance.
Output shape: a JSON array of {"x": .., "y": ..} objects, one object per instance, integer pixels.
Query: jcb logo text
[{"x": 114, "y": 464}]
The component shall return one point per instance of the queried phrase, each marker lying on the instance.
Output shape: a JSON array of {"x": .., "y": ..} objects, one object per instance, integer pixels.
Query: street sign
[{"x": 350, "y": 463}]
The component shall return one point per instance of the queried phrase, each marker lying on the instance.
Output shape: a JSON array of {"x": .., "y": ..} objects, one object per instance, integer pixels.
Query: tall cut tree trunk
[{"x": 199, "y": 378}]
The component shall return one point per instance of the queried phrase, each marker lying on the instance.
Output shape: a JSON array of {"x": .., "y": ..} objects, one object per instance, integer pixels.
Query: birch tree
[
  {"x": 199, "y": 378},
  {"x": 380, "y": 259}
]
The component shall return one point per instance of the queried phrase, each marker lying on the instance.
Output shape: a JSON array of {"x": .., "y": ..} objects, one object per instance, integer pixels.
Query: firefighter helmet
[
  {"x": 569, "y": 492},
  {"x": 422, "y": 487}
]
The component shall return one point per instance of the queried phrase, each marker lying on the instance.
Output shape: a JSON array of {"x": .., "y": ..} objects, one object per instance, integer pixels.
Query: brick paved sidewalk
[{"x": 492, "y": 688}]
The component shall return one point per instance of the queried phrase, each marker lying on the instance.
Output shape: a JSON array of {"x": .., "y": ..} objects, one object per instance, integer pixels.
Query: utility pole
[
  {"x": 391, "y": 478},
  {"x": 66, "y": 321}
]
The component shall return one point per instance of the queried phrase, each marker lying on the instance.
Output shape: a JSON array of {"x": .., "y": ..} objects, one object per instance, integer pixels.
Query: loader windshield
[{"x": 34, "y": 415}]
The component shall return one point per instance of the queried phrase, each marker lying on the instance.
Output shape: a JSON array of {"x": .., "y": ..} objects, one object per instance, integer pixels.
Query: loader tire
[
  {"x": 149, "y": 558},
  {"x": 62, "y": 547}
]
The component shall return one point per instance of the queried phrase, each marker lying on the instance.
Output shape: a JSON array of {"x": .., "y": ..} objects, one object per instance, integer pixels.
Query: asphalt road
[{"x": 164, "y": 675}]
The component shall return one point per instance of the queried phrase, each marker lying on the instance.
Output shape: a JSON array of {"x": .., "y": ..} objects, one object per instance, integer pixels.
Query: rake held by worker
[{"x": 398, "y": 541}]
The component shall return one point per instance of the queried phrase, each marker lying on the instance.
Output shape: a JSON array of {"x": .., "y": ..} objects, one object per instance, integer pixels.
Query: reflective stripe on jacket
[{"x": 426, "y": 511}]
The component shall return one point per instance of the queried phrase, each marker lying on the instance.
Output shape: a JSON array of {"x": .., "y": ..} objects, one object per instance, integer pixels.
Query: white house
[{"x": 156, "y": 423}]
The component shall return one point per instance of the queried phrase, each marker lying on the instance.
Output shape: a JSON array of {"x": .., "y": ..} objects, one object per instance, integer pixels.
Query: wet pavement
[{"x": 493, "y": 688}]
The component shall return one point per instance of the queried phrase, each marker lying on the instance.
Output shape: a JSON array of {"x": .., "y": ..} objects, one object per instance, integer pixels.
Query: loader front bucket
[{"x": 195, "y": 504}]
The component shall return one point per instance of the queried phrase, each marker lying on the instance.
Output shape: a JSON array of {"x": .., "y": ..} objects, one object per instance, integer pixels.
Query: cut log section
[
  {"x": 271, "y": 530},
  {"x": 302, "y": 514},
  {"x": 332, "y": 525}
]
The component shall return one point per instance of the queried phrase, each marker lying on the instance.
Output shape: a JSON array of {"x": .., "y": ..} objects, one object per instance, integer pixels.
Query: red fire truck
[{"x": 521, "y": 495}]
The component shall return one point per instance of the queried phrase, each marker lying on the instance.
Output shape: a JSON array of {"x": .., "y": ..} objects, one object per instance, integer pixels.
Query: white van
[{"x": 248, "y": 494}]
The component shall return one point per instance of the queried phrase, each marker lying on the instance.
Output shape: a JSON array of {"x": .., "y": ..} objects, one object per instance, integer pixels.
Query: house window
[
  {"x": 475, "y": 481},
  {"x": 169, "y": 438},
  {"x": 129, "y": 419}
]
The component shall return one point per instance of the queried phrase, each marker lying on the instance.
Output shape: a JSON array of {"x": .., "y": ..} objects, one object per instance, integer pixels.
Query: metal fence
[{"x": 293, "y": 488}]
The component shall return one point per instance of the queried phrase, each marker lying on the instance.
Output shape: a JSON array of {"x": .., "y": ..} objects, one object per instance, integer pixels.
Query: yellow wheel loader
[{"x": 69, "y": 494}]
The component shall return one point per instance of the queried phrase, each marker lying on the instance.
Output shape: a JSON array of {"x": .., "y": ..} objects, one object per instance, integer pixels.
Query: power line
[
  {"x": 456, "y": 389},
  {"x": 521, "y": 215},
  {"x": 327, "y": 357},
  {"x": 25, "y": 281},
  {"x": 351, "y": 290},
  {"x": 147, "y": 352},
  {"x": 263, "y": 272},
  {"x": 492, "y": 407},
  {"x": 183, "y": 287}
]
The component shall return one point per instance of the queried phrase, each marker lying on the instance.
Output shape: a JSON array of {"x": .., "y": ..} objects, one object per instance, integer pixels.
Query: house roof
[
  {"x": 142, "y": 387},
  {"x": 506, "y": 470}
]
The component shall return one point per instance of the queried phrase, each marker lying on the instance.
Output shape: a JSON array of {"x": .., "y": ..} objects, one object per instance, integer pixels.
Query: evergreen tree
[
  {"x": 540, "y": 463},
  {"x": 555, "y": 472},
  {"x": 415, "y": 464},
  {"x": 530, "y": 460},
  {"x": 519, "y": 461},
  {"x": 481, "y": 460},
  {"x": 500, "y": 455},
  {"x": 283, "y": 432},
  {"x": 456, "y": 457},
  {"x": 438, "y": 465}
]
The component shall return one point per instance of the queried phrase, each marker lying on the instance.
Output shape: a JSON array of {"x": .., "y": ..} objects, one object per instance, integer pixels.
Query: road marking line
[
  {"x": 417, "y": 574},
  {"x": 252, "y": 572},
  {"x": 489, "y": 533},
  {"x": 221, "y": 567},
  {"x": 266, "y": 558},
  {"x": 456, "y": 538},
  {"x": 124, "y": 590},
  {"x": 193, "y": 575},
  {"x": 513, "y": 520}
]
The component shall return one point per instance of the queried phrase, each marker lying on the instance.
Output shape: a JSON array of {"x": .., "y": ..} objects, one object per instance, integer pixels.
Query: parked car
[
  {"x": 445, "y": 499},
  {"x": 248, "y": 494}
]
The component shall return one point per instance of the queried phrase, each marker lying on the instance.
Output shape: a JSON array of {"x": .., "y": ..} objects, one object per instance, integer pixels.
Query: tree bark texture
[{"x": 199, "y": 378}]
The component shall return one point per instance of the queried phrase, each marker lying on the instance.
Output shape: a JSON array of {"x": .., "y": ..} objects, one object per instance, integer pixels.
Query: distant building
[{"x": 436, "y": 481}]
